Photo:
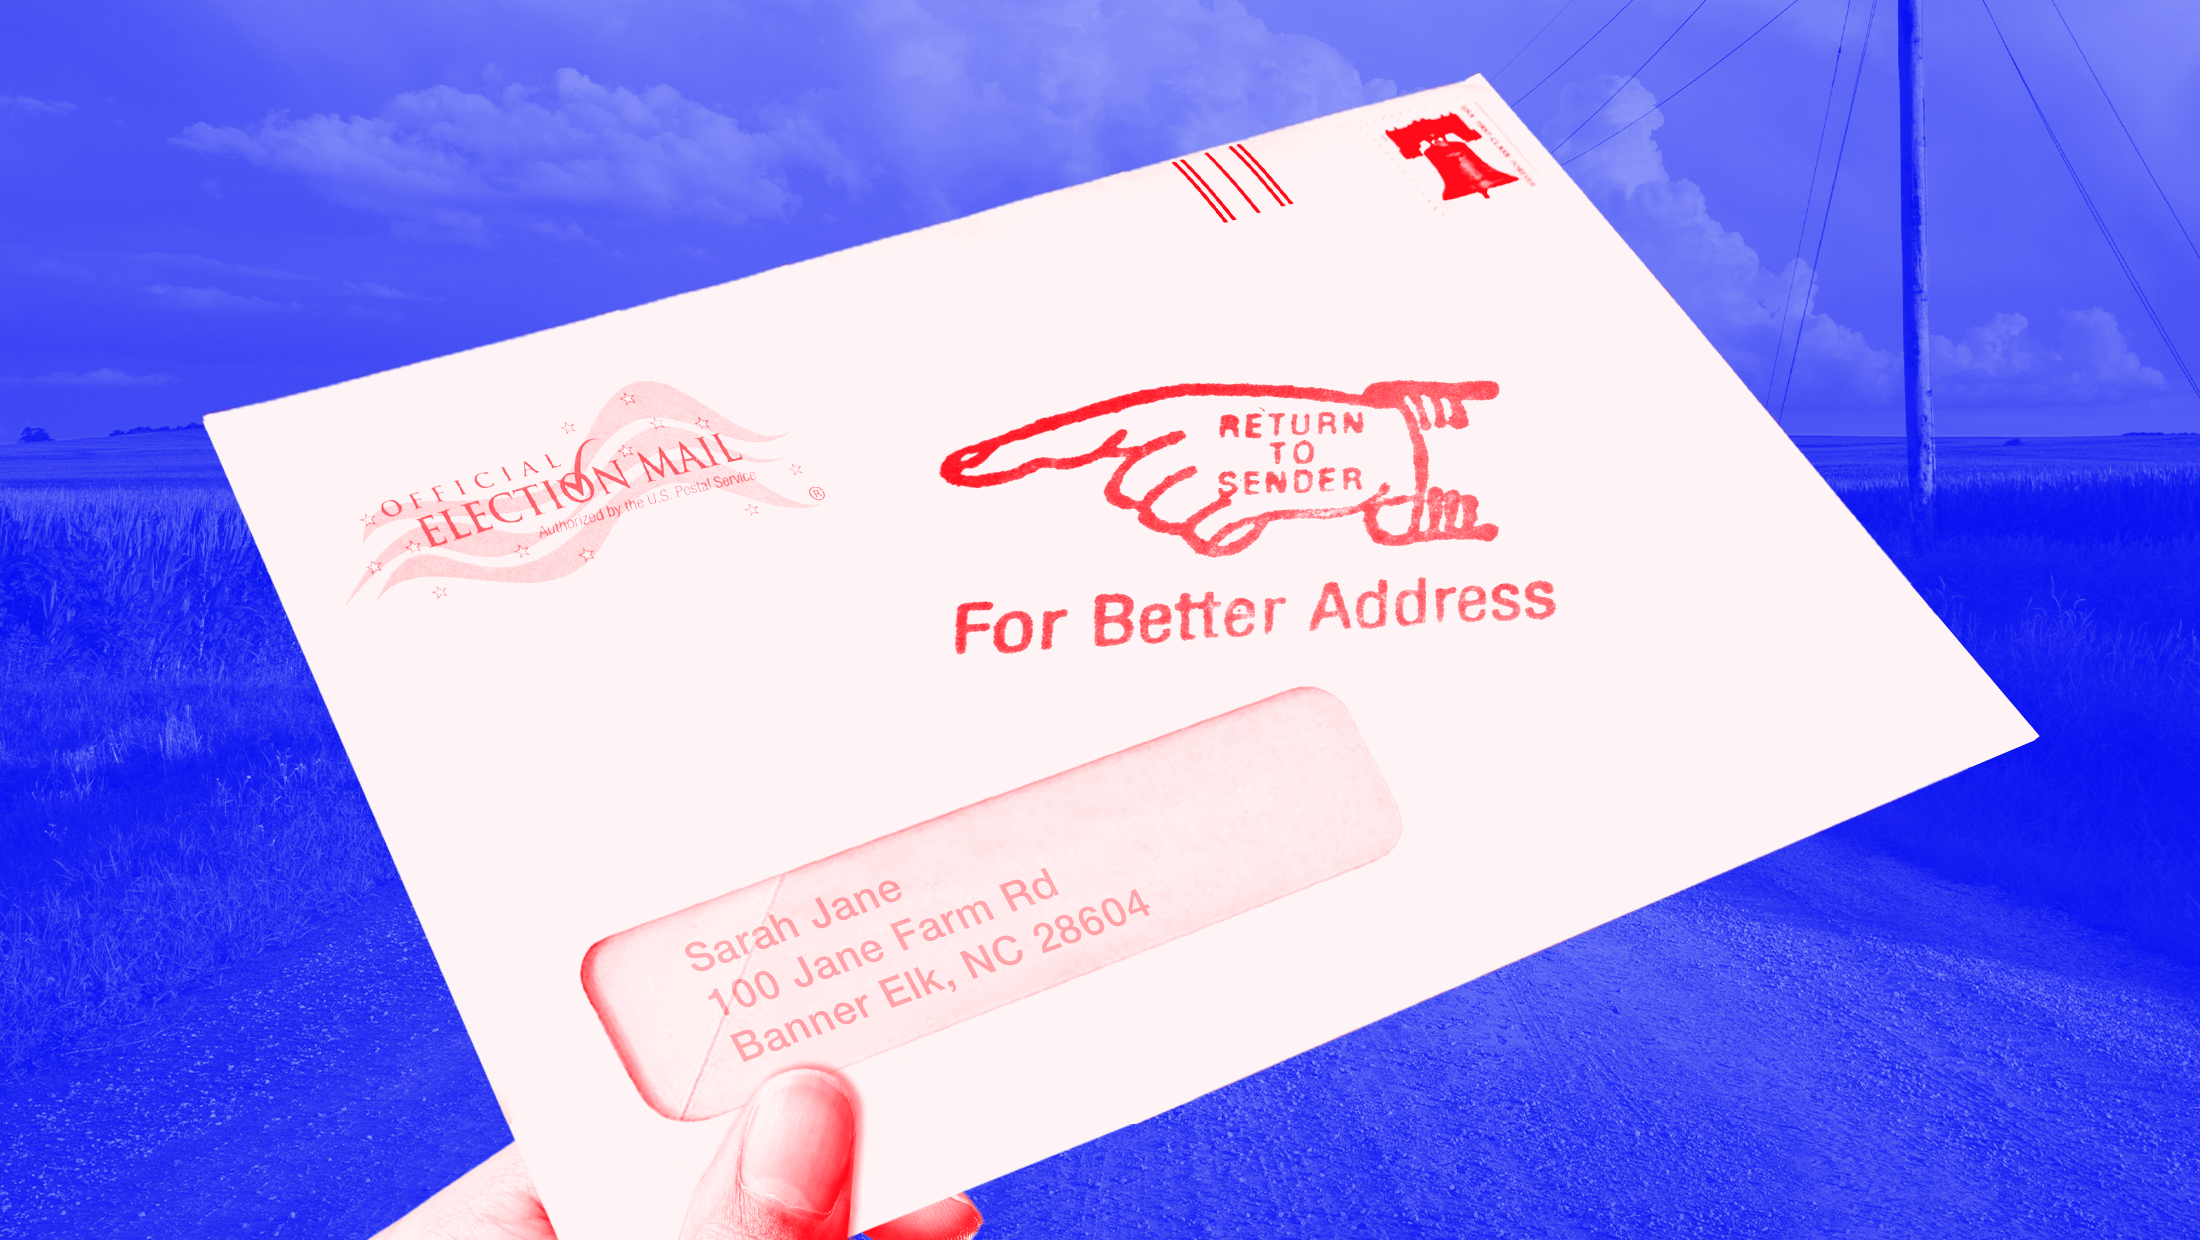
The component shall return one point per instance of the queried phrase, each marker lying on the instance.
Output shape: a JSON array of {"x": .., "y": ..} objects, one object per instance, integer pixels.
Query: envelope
[{"x": 1051, "y": 664}]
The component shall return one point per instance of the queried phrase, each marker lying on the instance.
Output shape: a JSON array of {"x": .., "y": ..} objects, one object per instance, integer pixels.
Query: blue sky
[{"x": 213, "y": 202}]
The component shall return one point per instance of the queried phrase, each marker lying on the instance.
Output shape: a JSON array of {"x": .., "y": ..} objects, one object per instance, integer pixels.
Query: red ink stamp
[{"x": 1216, "y": 464}]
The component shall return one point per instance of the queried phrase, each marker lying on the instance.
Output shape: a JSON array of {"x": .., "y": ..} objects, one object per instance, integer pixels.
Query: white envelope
[{"x": 623, "y": 618}]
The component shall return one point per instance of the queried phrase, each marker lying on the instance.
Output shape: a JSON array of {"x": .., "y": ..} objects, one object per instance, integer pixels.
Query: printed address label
[{"x": 877, "y": 946}]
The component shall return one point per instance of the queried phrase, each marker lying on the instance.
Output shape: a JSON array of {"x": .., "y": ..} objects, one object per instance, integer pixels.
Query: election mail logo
[
  {"x": 1216, "y": 464},
  {"x": 539, "y": 516}
]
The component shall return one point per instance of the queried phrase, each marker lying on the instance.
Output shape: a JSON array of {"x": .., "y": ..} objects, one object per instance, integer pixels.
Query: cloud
[
  {"x": 445, "y": 161},
  {"x": 200, "y": 262},
  {"x": 129, "y": 271},
  {"x": 381, "y": 292},
  {"x": 105, "y": 376},
  {"x": 945, "y": 104},
  {"x": 189, "y": 297},
  {"x": 975, "y": 101},
  {"x": 2002, "y": 362},
  {"x": 24, "y": 103},
  {"x": 1741, "y": 304}
]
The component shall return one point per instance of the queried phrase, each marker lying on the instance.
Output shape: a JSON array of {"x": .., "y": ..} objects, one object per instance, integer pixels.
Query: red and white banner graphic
[{"x": 541, "y": 518}]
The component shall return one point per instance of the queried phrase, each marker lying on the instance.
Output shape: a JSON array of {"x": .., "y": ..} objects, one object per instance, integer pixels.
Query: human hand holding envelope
[
  {"x": 783, "y": 1175},
  {"x": 1114, "y": 683}
]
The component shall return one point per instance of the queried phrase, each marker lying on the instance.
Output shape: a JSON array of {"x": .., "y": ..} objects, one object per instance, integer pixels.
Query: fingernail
[
  {"x": 800, "y": 1137},
  {"x": 955, "y": 1218}
]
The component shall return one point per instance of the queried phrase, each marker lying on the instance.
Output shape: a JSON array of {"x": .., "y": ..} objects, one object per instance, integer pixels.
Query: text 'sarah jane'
[{"x": 882, "y": 944}]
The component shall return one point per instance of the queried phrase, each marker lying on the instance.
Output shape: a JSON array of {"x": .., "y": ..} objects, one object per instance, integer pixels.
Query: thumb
[{"x": 784, "y": 1172}]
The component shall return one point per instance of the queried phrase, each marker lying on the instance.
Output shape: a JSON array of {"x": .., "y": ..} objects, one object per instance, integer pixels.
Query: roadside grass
[
  {"x": 2084, "y": 506},
  {"x": 173, "y": 797},
  {"x": 2079, "y": 593}
]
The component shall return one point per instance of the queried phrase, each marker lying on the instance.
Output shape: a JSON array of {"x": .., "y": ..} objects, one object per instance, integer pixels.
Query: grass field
[
  {"x": 2080, "y": 594},
  {"x": 173, "y": 798},
  {"x": 1843, "y": 459},
  {"x": 2075, "y": 582},
  {"x": 172, "y": 795},
  {"x": 2098, "y": 816}
]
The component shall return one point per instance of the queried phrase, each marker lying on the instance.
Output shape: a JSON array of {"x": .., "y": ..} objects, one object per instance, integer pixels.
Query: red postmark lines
[
  {"x": 1209, "y": 174},
  {"x": 526, "y": 522},
  {"x": 1215, "y": 464}
]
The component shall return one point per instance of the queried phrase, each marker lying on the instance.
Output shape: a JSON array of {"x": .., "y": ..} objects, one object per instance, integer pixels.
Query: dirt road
[
  {"x": 1825, "y": 1043},
  {"x": 318, "y": 1091}
]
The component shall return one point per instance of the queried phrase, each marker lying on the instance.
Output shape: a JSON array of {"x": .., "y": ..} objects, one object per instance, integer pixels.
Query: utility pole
[{"x": 1917, "y": 387}]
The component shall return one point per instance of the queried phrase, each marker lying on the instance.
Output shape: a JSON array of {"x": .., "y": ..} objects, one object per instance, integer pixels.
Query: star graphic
[
  {"x": 656, "y": 424},
  {"x": 753, "y": 510},
  {"x": 523, "y": 551},
  {"x": 411, "y": 544},
  {"x": 628, "y": 452},
  {"x": 567, "y": 427},
  {"x": 440, "y": 591},
  {"x": 586, "y": 554},
  {"x": 374, "y": 566},
  {"x": 369, "y": 519},
  {"x": 626, "y": 398},
  {"x": 703, "y": 423},
  {"x": 794, "y": 469}
]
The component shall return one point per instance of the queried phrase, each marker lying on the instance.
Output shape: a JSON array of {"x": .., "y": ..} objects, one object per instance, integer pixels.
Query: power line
[
  {"x": 1533, "y": 37},
  {"x": 2126, "y": 128},
  {"x": 1802, "y": 226},
  {"x": 1576, "y": 52},
  {"x": 1632, "y": 76},
  {"x": 2099, "y": 221},
  {"x": 1832, "y": 185},
  {"x": 1685, "y": 85}
]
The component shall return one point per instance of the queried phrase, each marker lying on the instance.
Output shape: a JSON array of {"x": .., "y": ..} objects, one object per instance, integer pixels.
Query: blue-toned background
[{"x": 1973, "y": 1013}]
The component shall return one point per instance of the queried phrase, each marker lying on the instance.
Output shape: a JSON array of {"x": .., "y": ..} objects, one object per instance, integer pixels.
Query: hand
[
  {"x": 1216, "y": 463},
  {"x": 783, "y": 1174}
]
